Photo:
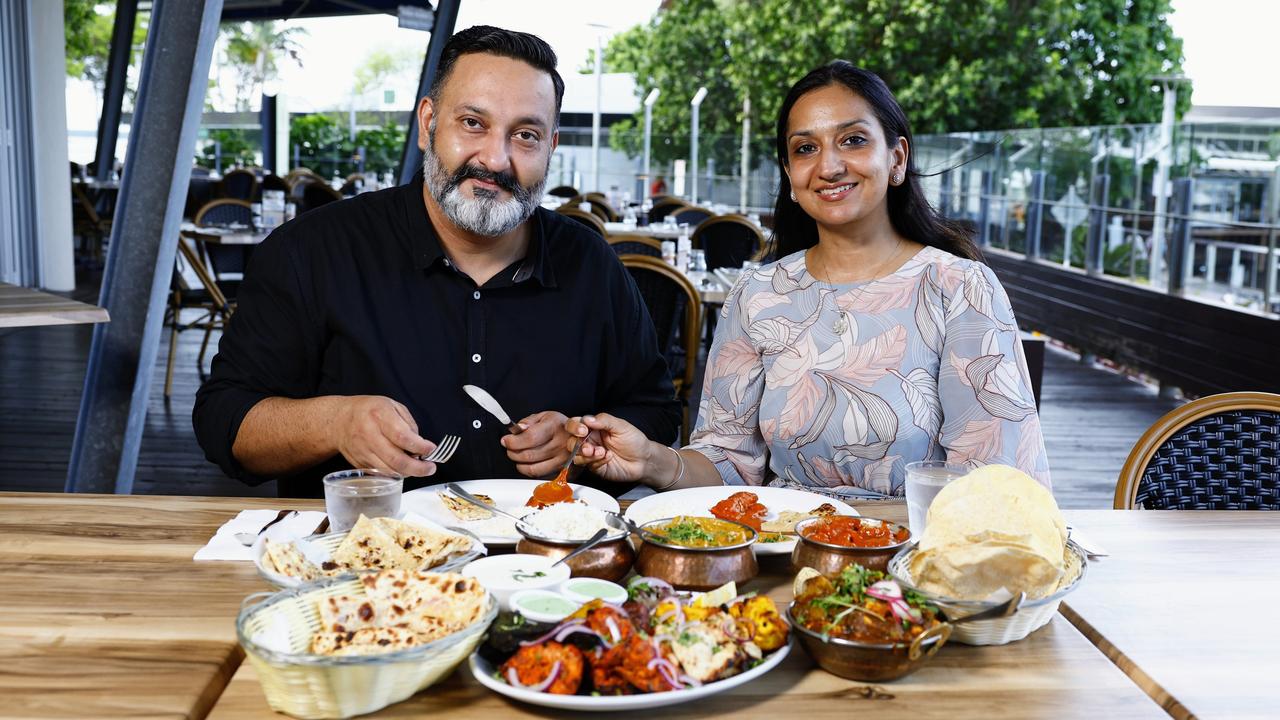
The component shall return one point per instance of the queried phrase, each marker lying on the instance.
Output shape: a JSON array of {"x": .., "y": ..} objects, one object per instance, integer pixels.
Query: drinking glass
[
  {"x": 924, "y": 481},
  {"x": 348, "y": 494}
]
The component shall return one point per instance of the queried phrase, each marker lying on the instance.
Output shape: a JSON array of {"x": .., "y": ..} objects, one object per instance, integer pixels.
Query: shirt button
[
  {"x": 476, "y": 295},
  {"x": 475, "y": 424},
  {"x": 447, "y": 263},
  {"x": 475, "y": 358}
]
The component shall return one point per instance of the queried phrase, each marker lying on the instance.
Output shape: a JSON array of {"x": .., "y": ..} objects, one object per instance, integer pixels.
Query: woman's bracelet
[{"x": 679, "y": 473}]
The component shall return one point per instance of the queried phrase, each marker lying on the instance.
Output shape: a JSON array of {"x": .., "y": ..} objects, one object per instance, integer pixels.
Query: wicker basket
[
  {"x": 304, "y": 685},
  {"x": 330, "y": 543},
  {"x": 1031, "y": 616}
]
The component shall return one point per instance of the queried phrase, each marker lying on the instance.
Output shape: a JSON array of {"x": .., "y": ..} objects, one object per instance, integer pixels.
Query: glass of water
[
  {"x": 924, "y": 481},
  {"x": 348, "y": 494}
]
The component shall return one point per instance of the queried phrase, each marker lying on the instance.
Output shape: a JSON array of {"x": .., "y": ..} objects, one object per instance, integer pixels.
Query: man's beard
[{"x": 485, "y": 215}]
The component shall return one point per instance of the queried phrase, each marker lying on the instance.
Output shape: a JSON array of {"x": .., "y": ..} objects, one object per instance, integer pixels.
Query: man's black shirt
[{"x": 358, "y": 298}]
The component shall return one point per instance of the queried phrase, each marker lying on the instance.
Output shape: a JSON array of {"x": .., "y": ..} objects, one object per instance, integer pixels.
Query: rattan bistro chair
[
  {"x": 204, "y": 295},
  {"x": 1220, "y": 452},
  {"x": 588, "y": 219},
  {"x": 674, "y": 304},
  {"x": 728, "y": 240},
  {"x": 623, "y": 244}
]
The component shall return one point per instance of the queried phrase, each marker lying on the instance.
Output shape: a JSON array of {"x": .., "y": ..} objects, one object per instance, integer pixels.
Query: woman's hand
[{"x": 614, "y": 449}]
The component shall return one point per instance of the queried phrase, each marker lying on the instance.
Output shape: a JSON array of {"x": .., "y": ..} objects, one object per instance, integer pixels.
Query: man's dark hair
[{"x": 496, "y": 41}]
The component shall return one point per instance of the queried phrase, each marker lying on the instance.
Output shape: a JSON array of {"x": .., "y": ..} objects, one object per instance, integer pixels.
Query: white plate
[
  {"x": 698, "y": 501},
  {"x": 509, "y": 495},
  {"x": 483, "y": 672}
]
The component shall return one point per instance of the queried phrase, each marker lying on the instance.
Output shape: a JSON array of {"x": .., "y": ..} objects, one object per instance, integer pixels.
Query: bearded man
[{"x": 359, "y": 322}]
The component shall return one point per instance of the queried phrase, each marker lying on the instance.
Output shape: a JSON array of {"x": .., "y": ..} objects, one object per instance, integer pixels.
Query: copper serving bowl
[
  {"x": 610, "y": 560},
  {"x": 830, "y": 559},
  {"x": 692, "y": 568},
  {"x": 867, "y": 661}
]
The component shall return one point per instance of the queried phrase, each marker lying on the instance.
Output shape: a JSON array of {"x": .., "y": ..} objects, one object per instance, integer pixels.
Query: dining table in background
[
  {"x": 27, "y": 307},
  {"x": 105, "y": 614}
]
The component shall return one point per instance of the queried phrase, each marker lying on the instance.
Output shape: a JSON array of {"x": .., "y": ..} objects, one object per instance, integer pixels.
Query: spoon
[
  {"x": 590, "y": 543},
  {"x": 456, "y": 490},
  {"x": 1004, "y": 609},
  {"x": 631, "y": 526}
]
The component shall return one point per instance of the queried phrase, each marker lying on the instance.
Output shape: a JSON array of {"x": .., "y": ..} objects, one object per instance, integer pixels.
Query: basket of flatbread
[
  {"x": 412, "y": 543},
  {"x": 349, "y": 646},
  {"x": 988, "y": 535}
]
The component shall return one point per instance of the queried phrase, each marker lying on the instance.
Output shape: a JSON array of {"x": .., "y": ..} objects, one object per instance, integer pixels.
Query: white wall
[{"x": 49, "y": 134}]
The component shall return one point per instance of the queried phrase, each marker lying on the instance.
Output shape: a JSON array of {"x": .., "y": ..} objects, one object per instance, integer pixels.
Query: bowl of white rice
[{"x": 557, "y": 530}]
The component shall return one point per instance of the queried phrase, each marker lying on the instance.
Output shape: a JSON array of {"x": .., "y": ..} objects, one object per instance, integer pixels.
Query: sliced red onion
[
  {"x": 885, "y": 590},
  {"x": 667, "y": 670},
  {"x": 513, "y": 678},
  {"x": 574, "y": 622},
  {"x": 733, "y": 630},
  {"x": 655, "y": 583},
  {"x": 690, "y": 680},
  {"x": 620, "y": 609},
  {"x": 581, "y": 630},
  {"x": 740, "y": 598},
  {"x": 613, "y": 629}
]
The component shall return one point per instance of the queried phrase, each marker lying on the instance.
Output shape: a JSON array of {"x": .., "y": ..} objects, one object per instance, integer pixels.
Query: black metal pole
[
  {"x": 1035, "y": 214},
  {"x": 267, "y": 119},
  {"x": 1095, "y": 258},
  {"x": 144, "y": 237},
  {"x": 1179, "y": 244},
  {"x": 441, "y": 31},
  {"x": 113, "y": 91}
]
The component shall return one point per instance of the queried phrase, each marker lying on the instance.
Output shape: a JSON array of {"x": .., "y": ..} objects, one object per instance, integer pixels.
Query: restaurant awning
[{"x": 236, "y": 10}]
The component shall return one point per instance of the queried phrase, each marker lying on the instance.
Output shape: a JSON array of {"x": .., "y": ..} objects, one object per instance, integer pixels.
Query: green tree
[
  {"x": 88, "y": 25},
  {"x": 253, "y": 50},
  {"x": 954, "y": 65},
  {"x": 238, "y": 146}
]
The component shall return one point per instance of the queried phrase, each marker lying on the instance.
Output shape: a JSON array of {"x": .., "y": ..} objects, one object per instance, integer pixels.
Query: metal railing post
[
  {"x": 984, "y": 208},
  {"x": 1035, "y": 213},
  {"x": 1095, "y": 243},
  {"x": 1180, "y": 241}
]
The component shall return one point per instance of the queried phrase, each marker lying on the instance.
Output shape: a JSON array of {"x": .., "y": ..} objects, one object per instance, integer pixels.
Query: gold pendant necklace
[{"x": 842, "y": 316}]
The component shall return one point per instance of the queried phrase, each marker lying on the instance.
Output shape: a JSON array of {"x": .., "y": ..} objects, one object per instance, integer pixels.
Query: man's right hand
[{"x": 377, "y": 432}]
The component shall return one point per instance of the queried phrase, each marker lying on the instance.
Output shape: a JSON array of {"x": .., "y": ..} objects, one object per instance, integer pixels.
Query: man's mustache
[{"x": 504, "y": 180}]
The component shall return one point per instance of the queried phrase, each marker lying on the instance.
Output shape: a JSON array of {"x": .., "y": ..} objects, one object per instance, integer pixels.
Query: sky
[{"x": 1229, "y": 47}]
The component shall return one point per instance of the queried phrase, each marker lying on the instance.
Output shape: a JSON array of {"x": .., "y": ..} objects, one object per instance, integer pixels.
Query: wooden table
[
  {"x": 25, "y": 307},
  {"x": 104, "y": 614},
  {"x": 1184, "y": 605}
]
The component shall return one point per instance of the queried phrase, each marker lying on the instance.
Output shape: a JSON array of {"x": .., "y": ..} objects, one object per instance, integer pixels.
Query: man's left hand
[{"x": 543, "y": 446}]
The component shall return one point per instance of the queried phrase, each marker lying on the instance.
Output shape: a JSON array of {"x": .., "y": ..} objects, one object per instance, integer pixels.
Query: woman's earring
[
  {"x": 897, "y": 179},
  {"x": 793, "y": 196}
]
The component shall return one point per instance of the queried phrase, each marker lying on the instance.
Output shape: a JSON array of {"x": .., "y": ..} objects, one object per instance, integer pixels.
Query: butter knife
[{"x": 486, "y": 401}]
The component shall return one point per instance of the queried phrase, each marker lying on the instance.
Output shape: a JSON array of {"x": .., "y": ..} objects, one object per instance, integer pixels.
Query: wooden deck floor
[{"x": 1091, "y": 418}]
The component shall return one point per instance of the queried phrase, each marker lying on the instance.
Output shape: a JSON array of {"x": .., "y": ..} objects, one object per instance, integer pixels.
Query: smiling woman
[{"x": 877, "y": 338}]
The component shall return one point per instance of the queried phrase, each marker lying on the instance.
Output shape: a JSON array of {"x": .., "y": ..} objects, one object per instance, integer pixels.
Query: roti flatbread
[
  {"x": 427, "y": 547},
  {"x": 464, "y": 510},
  {"x": 289, "y": 560},
  {"x": 369, "y": 547}
]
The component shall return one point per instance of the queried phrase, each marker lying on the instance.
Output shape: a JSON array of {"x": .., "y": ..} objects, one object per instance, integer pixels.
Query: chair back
[
  {"x": 663, "y": 208},
  {"x": 635, "y": 245},
  {"x": 223, "y": 212},
  {"x": 275, "y": 182},
  {"x": 692, "y": 215},
  {"x": 728, "y": 240},
  {"x": 563, "y": 191},
  {"x": 674, "y": 304},
  {"x": 240, "y": 184},
  {"x": 298, "y": 178},
  {"x": 1221, "y": 452},
  {"x": 589, "y": 219},
  {"x": 315, "y": 194}
]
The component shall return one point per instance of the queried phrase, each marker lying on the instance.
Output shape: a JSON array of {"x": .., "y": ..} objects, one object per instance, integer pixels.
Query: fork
[{"x": 447, "y": 446}]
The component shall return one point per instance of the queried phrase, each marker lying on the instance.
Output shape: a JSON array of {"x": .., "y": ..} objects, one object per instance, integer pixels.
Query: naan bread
[
  {"x": 368, "y": 641},
  {"x": 289, "y": 560},
  {"x": 452, "y": 598},
  {"x": 788, "y": 519},
  {"x": 427, "y": 547},
  {"x": 369, "y": 547},
  {"x": 464, "y": 510}
]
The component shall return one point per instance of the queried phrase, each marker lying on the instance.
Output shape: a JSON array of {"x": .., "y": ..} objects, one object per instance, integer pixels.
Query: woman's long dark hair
[{"x": 909, "y": 212}]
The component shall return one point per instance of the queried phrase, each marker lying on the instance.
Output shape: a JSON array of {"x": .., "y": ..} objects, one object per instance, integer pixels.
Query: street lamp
[
  {"x": 696, "y": 103},
  {"x": 649, "y": 100},
  {"x": 595, "y": 115}
]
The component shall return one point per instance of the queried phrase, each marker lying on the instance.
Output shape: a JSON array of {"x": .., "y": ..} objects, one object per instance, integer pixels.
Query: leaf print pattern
[
  {"x": 931, "y": 369},
  {"x": 921, "y": 390}
]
